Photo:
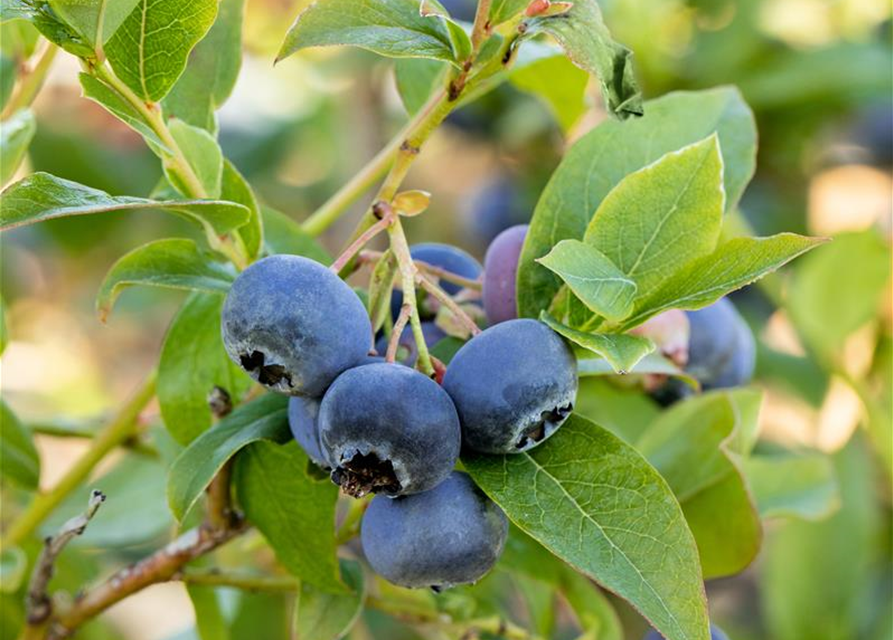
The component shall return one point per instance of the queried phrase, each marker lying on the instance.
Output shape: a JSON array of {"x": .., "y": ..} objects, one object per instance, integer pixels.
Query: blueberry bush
[{"x": 395, "y": 440}]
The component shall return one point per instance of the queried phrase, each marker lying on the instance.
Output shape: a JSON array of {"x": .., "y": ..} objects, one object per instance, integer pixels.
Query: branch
[
  {"x": 161, "y": 566},
  {"x": 397, "y": 332},
  {"x": 245, "y": 581},
  {"x": 361, "y": 241},
  {"x": 82, "y": 431},
  {"x": 31, "y": 82},
  {"x": 38, "y": 602},
  {"x": 122, "y": 428}
]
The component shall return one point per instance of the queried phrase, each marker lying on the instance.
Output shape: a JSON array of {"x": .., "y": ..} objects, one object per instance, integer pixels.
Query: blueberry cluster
[{"x": 384, "y": 428}]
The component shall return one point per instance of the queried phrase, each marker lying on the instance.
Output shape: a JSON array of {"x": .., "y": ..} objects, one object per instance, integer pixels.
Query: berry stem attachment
[{"x": 444, "y": 298}]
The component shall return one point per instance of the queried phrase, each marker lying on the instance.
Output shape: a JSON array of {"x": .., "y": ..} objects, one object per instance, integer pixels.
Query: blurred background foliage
[{"x": 818, "y": 74}]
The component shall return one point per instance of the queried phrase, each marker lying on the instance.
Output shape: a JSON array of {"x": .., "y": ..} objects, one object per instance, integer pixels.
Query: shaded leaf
[
  {"x": 292, "y": 509},
  {"x": 503, "y": 10},
  {"x": 417, "y": 78},
  {"x": 175, "y": 263},
  {"x": 597, "y": 504},
  {"x": 19, "y": 461},
  {"x": 88, "y": 16},
  {"x": 593, "y": 278},
  {"x": 556, "y": 81},
  {"x": 625, "y": 411},
  {"x": 262, "y": 419},
  {"x": 697, "y": 446},
  {"x": 582, "y": 33},
  {"x": 193, "y": 362},
  {"x": 42, "y": 196},
  {"x": 800, "y": 486},
  {"x": 149, "y": 50},
  {"x": 15, "y": 136},
  {"x": 13, "y": 569},
  {"x": 201, "y": 152},
  {"x": 284, "y": 235},
  {"x": 391, "y": 28},
  {"x": 326, "y": 616},
  {"x": 591, "y": 168},
  {"x": 211, "y": 71},
  {"x": 234, "y": 188},
  {"x": 620, "y": 350}
]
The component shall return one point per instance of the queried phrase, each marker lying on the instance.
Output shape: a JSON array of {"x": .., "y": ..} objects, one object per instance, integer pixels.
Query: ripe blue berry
[
  {"x": 388, "y": 428},
  {"x": 500, "y": 272},
  {"x": 302, "y": 420},
  {"x": 513, "y": 386},
  {"x": 450, "y": 535},
  {"x": 293, "y": 325},
  {"x": 721, "y": 348}
]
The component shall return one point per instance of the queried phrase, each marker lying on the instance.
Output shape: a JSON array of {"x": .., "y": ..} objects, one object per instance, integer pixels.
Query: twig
[
  {"x": 31, "y": 82},
  {"x": 79, "y": 431},
  {"x": 220, "y": 512},
  {"x": 161, "y": 566},
  {"x": 448, "y": 276},
  {"x": 245, "y": 581},
  {"x": 444, "y": 298},
  {"x": 361, "y": 241},
  {"x": 350, "y": 526},
  {"x": 38, "y": 602},
  {"x": 122, "y": 427},
  {"x": 397, "y": 331}
]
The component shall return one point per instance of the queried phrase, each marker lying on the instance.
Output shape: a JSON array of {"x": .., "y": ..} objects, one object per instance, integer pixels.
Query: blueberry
[
  {"x": 302, "y": 419},
  {"x": 293, "y": 325},
  {"x": 447, "y": 257},
  {"x": 715, "y": 634},
  {"x": 388, "y": 428},
  {"x": 513, "y": 386},
  {"x": 433, "y": 334},
  {"x": 450, "y": 535},
  {"x": 500, "y": 271},
  {"x": 721, "y": 348}
]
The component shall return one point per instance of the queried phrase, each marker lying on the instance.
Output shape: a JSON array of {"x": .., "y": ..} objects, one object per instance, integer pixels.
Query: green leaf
[
  {"x": 15, "y": 136},
  {"x": 819, "y": 579},
  {"x": 593, "y": 278},
  {"x": 327, "y": 616},
  {"x": 135, "y": 511},
  {"x": 262, "y": 419},
  {"x": 44, "y": 19},
  {"x": 556, "y": 81},
  {"x": 625, "y": 411},
  {"x": 102, "y": 94},
  {"x": 653, "y": 363},
  {"x": 620, "y": 350},
  {"x": 697, "y": 446},
  {"x": 588, "y": 43},
  {"x": 193, "y": 362},
  {"x": 598, "y": 505},
  {"x": 503, "y": 10},
  {"x": 211, "y": 72},
  {"x": 13, "y": 569},
  {"x": 149, "y": 50},
  {"x": 210, "y": 622},
  {"x": 856, "y": 267},
  {"x": 459, "y": 38},
  {"x": 594, "y": 166},
  {"x": 175, "y": 263},
  {"x": 88, "y": 16},
  {"x": 19, "y": 461},
  {"x": 292, "y": 509},
  {"x": 381, "y": 284},
  {"x": 284, "y": 235},
  {"x": 42, "y": 196},
  {"x": 594, "y": 612},
  {"x": 417, "y": 78},
  {"x": 4, "y": 330},
  {"x": 235, "y": 188},
  {"x": 391, "y": 28},
  {"x": 732, "y": 265},
  {"x": 660, "y": 217},
  {"x": 799, "y": 486},
  {"x": 201, "y": 152}
]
